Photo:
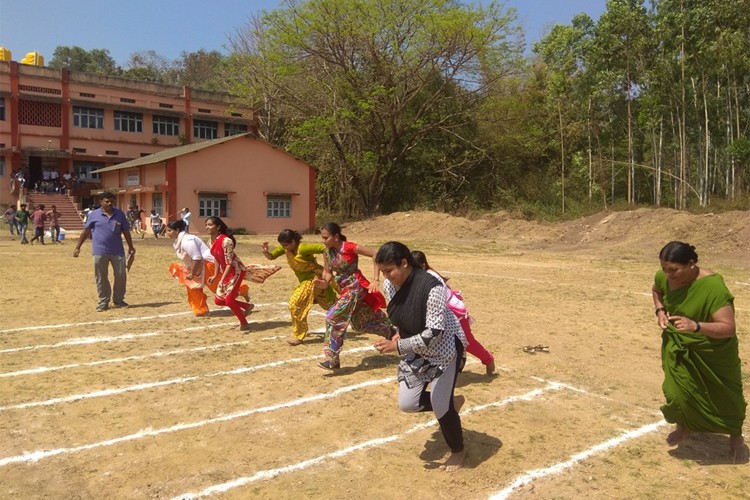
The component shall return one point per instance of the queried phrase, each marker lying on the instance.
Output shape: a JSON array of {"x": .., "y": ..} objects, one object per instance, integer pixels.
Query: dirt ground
[{"x": 151, "y": 402}]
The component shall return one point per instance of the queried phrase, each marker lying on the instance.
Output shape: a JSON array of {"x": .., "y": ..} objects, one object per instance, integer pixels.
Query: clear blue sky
[{"x": 172, "y": 26}]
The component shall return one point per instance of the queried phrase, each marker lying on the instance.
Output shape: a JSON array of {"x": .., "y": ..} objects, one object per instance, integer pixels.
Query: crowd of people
[
  {"x": 18, "y": 221},
  {"x": 417, "y": 315}
]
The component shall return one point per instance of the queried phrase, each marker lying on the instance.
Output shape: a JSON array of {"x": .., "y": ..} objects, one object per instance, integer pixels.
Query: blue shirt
[{"x": 106, "y": 231}]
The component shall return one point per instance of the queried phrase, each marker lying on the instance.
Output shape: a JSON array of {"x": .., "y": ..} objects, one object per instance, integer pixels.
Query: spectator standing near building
[
  {"x": 134, "y": 217},
  {"x": 54, "y": 224},
  {"x": 107, "y": 226},
  {"x": 185, "y": 215},
  {"x": 10, "y": 218},
  {"x": 22, "y": 219},
  {"x": 38, "y": 217},
  {"x": 156, "y": 225}
]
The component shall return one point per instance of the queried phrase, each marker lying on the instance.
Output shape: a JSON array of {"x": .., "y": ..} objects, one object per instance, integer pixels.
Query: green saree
[{"x": 702, "y": 375}]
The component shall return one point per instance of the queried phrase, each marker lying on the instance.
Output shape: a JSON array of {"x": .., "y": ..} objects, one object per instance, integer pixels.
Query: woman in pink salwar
[
  {"x": 456, "y": 304},
  {"x": 230, "y": 269}
]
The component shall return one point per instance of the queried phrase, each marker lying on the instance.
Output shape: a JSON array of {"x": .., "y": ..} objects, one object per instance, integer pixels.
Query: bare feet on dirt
[
  {"x": 491, "y": 367},
  {"x": 454, "y": 462},
  {"x": 738, "y": 449},
  {"x": 294, "y": 341},
  {"x": 678, "y": 435}
]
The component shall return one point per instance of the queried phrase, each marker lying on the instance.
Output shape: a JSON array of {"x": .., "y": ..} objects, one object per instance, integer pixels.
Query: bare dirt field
[{"x": 151, "y": 402}]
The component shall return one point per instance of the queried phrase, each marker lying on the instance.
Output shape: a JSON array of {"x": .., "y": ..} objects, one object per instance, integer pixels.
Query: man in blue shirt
[{"x": 106, "y": 226}]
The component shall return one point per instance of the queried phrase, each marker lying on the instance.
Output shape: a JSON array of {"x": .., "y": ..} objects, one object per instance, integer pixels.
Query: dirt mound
[
  {"x": 643, "y": 229},
  {"x": 441, "y": 226}
]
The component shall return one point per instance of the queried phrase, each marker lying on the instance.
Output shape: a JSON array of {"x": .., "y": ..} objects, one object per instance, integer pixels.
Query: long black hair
[
  {"x": 177, "y": 225},
  {"x": 333, "y": 229},
  {"x": 223, "y": 228},
  {"x": 421, "y": 259},
  {"x": 288, "y": 236},
  {"x": 394, "y": 253}
]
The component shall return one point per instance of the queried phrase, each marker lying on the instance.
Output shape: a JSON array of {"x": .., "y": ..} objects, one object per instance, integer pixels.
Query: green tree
[
  {"x": 149, "y": 66},
  {"x": 370, "y": 81},
  {"x": 77, "y": 59}
]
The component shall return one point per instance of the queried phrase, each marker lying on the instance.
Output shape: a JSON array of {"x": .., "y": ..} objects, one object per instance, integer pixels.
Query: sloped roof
[{"x": 170, "y": 153}]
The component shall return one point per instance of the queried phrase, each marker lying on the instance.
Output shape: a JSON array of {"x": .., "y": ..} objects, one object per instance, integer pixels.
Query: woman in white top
[{"x": 194, "y": 254}]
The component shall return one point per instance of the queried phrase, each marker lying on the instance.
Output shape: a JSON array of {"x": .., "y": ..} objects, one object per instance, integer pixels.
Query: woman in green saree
[{"x": 700, "y": 357}]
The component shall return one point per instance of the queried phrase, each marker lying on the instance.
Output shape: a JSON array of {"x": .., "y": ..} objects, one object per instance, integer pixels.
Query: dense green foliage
[
  {"x": 426, "y": 103},
  {"x": 201, "y": 70},
  {"x": 404, "y": 104}
]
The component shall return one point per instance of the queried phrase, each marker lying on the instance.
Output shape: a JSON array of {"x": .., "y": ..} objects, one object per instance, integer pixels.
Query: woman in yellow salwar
[
  {"x": 700, "y": 355},
  {"x": 301, "y": 259}
]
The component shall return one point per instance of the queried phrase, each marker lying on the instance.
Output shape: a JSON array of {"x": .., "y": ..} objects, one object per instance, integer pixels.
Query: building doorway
[{"x": 35, "y": 172}]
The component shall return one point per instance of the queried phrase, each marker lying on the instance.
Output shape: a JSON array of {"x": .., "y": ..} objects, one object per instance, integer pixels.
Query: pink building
[
  {"x": 242, "y": 179},
  {"x": 56, "y": 124}
]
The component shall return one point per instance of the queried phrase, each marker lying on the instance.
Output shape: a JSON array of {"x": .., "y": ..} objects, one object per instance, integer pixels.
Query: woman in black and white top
[{"x": 430, "y": 341}]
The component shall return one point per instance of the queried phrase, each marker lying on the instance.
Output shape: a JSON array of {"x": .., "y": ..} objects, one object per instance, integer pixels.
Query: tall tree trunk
[
  {"x": 562, "y": 154},
  {"x": 591, "y": 161},
  {"x": 707, "y": 139}
]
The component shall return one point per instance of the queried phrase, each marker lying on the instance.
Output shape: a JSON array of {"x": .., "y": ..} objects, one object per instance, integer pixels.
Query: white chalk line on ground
[
  {"x": 35, "y": 456},
  {"x": 272, "y": 473},
  {"x": 129, "y": 336},
  {"x": 82, "y": 341},
  {"x": 598, "y": 396},
  {"x": 158, "y": 354},
  {"x": 161, "y": 383},
  {"x": 41, "y": 454},
  {"x": 112, "y": 321},
  {"x": 532, "y": 475}
]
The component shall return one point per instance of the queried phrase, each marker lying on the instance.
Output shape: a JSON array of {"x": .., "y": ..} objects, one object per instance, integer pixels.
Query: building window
[
  {"x": 2, "y": 166},
  {"x": 133, "y": 179},
  {"x": 83, "y": 170},
  {"x": 128, "y": 122},
  {"x": 156, "y": 203},
  {"x": 203, "y": 129},
  {"x": 234, "y": 129},
  {"x": 88, "y": 117},
  {"x": 166, "y": 125},
  {"x": 213, "y": 205},
  {"x": 39, "y": 113},
  {"x": 279, "y": 207},
  {"x": 2, "y": 108}
]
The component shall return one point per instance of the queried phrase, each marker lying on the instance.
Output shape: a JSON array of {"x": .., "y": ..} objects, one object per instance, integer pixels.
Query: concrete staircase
[{"x": 69, "y": 218}]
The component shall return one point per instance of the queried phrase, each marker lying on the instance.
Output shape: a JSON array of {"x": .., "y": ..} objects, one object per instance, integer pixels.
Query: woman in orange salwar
[
  {"x": 191, "y": 272},
  {"x": 229, "y": 272}
]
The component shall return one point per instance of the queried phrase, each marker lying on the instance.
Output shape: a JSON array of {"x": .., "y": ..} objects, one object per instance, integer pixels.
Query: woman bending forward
[{"x": 430, "y": 341}]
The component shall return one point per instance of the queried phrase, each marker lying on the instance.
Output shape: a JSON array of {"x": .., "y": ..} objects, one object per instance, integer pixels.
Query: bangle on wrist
[
  {"x": 697, "y": 326},
  {"x": 660, "y": 309}
]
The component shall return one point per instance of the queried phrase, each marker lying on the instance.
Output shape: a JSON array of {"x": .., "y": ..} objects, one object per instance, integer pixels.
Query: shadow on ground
[
  {"x": 709, "y": 449},
  {"x": 479, "y": 448}
]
